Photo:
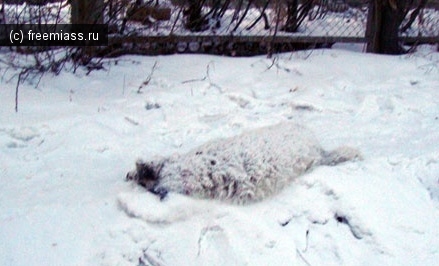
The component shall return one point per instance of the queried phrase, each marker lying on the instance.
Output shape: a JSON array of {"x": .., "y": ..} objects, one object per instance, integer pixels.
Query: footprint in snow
[
  {"x": 214, "y": 247},
  {"x": 19, "y": 137},
  {"x": 241, "y": 101}
]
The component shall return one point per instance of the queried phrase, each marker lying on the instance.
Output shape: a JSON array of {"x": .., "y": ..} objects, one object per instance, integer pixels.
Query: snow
[{"x": 65, "y": 154}]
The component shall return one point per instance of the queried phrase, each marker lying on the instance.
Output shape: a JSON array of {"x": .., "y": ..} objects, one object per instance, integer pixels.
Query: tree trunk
[
  {"x": 392, "y": 17},
  {"x": 87, "y": 12},
  {"x": 292, "y": 8},
  {"x": 373, "y": 25},
  {"x": 384, "y": 21},
  {"x": 2, "y": 13},
  {"x": 194, "y": 17}
]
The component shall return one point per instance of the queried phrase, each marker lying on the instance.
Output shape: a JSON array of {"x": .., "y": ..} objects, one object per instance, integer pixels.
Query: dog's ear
[{"x": 139, "y": 165}]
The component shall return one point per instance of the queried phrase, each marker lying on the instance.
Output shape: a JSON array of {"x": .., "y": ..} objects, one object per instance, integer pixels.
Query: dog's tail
[{"x": 340, "y": 155}]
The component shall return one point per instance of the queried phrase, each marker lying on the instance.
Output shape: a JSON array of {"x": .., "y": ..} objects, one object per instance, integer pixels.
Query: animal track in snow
[
  {"x": 214, "y": 246},
  {"x": 19, "y": 137}
]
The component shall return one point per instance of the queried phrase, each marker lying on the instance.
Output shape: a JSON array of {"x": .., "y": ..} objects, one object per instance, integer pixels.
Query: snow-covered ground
[{"x": 65, "y": 154}]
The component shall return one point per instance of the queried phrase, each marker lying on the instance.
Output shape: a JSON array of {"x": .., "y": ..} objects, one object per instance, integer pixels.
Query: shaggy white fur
[{"x": 242, "y": 169}]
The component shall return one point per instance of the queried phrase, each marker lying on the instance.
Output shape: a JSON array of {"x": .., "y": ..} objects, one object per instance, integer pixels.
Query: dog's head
[{"x": 147, "y": 174}]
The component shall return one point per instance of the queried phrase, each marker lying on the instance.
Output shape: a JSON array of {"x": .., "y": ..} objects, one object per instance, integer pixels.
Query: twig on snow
[
  {"x": 148, "y": 78},
  {"x": 206, "y": 77},
  {"x": 302, "y": 257}
]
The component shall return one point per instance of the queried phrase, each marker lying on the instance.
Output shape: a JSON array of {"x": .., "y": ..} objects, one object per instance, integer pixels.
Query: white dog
[{"x": 242, "y": 169}]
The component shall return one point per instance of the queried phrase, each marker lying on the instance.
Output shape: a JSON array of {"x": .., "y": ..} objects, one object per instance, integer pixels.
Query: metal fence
[
  {"x": 220, "y": 26},
  {"x": 255, "y": 26},
  {"x": 257, "y": 18}
]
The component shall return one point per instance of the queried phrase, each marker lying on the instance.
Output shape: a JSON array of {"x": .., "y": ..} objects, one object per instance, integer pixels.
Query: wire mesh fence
[
  {"x": 212, "y": 21},
  {"x": 248, "y": 18},
  {"x": 426, "y": 23},
  {"x": 260, "y": 18},
  {"x": 199, "y": 25}
]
